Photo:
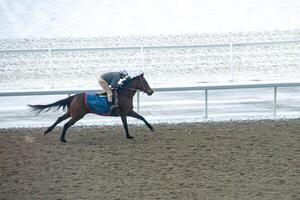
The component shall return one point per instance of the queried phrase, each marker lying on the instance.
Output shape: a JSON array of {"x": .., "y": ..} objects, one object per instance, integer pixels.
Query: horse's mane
[{"x": 128, "y": 79}]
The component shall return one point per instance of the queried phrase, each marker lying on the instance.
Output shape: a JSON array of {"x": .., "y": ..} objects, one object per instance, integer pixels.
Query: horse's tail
[{"x": 58, "y": 104}]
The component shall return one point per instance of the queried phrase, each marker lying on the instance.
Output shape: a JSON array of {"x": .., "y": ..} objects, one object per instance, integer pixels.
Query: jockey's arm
[{"x": 115, "y": 80}]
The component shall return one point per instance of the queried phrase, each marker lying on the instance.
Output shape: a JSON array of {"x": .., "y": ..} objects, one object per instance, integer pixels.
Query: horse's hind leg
[
  {"x": 66, "y": 126},
  {"x": 60, "y": 119},
  {"x": 77, "y": 111}
]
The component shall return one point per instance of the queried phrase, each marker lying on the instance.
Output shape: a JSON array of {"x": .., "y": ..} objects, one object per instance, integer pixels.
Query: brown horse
[{"x": 76, "y": 108}]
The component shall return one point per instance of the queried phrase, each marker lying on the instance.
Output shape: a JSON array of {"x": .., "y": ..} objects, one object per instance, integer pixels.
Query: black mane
[{"x": 128, "y": 79}]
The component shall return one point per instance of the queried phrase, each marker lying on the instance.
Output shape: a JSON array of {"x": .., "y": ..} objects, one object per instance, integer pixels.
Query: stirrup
[{"x": 112, "y": 106}]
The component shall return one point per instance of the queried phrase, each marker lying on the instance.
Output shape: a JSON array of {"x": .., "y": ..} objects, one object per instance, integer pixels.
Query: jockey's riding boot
[{"x": 112, "y": 106}]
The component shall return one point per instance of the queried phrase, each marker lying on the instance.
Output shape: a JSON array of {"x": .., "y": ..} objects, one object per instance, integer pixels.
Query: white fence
[
  {"x": 230, "y": 45},
  {"x": 230, "y": 58},
  {"x": 205, "y": 87}
]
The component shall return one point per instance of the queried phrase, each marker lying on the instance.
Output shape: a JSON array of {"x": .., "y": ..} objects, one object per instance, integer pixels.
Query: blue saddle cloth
[{"x": 96, "y": 104}]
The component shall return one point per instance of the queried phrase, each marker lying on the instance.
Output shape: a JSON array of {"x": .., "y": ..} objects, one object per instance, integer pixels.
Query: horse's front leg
[
  {"x": 124, "y": 121},
  {"x": 136, "y": 115}
]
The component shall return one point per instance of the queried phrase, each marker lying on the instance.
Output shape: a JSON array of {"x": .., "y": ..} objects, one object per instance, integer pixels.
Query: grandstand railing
[{"x": 202, "y": 87}]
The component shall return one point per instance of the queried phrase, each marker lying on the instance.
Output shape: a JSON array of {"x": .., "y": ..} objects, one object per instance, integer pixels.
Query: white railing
[
  {"x": 205, "y": 87},
  {"x": 230, "y": 45},
  {"x": 142, "y": 49}
]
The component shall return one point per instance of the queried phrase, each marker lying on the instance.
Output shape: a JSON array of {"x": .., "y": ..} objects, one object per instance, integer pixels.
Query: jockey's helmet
[{"x": 124, "y": 72}]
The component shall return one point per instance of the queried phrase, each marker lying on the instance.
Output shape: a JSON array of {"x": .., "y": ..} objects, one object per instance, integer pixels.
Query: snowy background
[
  {"x": 167, "y": 66},
  {"x": 93, "y": 18},
  {"x": 31, "y": 24}
]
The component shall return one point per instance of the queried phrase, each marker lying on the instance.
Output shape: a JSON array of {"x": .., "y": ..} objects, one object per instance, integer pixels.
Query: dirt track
[{"x": 231, "y": 160}]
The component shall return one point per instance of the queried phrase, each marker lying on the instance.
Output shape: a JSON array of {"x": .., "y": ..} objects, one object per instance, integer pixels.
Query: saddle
[
  {"x": 114, "y": 98},
  {"x": 97, "y": 104}
]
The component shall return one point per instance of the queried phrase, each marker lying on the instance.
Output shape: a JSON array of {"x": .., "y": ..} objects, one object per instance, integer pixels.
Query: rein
[{"x": 133, "y": 89}]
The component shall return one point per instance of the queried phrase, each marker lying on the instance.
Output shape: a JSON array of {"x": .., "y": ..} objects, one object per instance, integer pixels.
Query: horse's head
[
  {"x": 144, "y": 86},
  {"x": 138, "y": 83}
]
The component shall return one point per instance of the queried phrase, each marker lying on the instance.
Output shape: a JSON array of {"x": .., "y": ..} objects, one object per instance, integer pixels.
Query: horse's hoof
[
  {"x": 46, "y": 132},
  {"x": 152, "y": 129},
  {"x": 130, "y": 137},
  {"x": 63, "y": 140}
]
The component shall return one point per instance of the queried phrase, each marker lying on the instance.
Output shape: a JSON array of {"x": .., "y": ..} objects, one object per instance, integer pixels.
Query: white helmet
[{"x": 124, "y": 72}]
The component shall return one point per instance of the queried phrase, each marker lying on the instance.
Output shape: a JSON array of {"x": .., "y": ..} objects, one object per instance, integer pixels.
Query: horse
[{"x": 76, "y": 107}]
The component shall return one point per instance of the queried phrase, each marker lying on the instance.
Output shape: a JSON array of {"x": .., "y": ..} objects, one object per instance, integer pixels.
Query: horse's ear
[{"x": 142, "y": 75}]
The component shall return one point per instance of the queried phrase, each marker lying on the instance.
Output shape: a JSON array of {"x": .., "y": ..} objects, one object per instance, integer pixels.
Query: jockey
[{"x": 109, "y": 81}]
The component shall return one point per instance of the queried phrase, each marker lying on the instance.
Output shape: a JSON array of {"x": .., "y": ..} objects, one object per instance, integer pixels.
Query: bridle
[{"x": 141, "y": 82}]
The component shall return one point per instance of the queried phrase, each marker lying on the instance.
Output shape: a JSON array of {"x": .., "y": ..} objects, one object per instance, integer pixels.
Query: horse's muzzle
[{"x": 150, "y": 92}]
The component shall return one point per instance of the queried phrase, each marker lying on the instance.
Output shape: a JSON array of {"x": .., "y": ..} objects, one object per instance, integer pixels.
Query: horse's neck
[{"x": 128, "y": 92}]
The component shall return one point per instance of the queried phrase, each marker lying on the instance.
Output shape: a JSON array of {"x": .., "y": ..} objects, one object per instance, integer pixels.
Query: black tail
[{"x": 58, "y": 104}]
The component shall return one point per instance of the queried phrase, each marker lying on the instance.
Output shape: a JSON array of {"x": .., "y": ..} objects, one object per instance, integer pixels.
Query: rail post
[
  {"x": 142, "y": 57},
  {"x": 231, "y": 61},
  {"x": 206, "y": 109},
  {"x": 275, "y": 101},
  {"x": 51, "y": 66}
]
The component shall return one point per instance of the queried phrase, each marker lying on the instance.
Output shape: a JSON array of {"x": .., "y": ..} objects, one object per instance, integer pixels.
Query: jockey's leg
[
  {"x": 116, "y": 100},
  {"x": 106, "y": 88},
  {"x": 109, "y": 95}
]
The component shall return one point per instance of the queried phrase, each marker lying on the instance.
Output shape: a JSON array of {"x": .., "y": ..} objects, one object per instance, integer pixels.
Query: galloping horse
[{"x": 76, "y": 107}]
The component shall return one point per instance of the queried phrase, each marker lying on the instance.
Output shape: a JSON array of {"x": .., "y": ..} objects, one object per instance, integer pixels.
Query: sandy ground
[{"x": 224, "y": 160}]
